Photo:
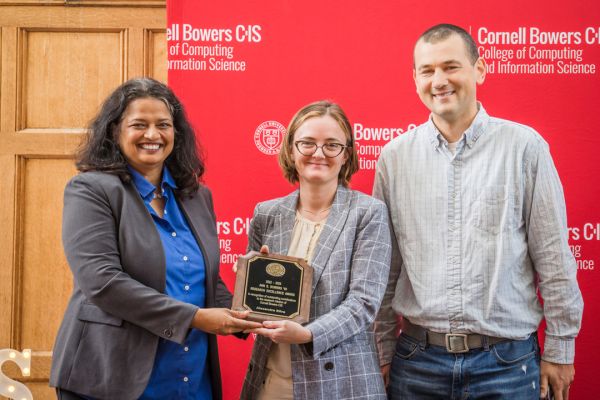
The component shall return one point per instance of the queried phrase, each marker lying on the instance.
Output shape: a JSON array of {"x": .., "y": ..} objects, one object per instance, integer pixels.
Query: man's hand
[
  {"x": 284, "y": 332},
  {"x": 222, "y": 321},
  {"x": 385, "y": 373},
  {"x": 558, "y": 376}
]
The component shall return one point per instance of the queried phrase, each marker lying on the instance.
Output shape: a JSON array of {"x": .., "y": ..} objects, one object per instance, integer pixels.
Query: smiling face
[
  {"x": 318, "y": 169},
  {"x": 146, "y": 135},
  {"x": 446, "y": 80}
]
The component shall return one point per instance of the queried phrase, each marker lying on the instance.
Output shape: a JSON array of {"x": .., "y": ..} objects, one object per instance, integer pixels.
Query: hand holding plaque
[{"x": 273, "y": 287}]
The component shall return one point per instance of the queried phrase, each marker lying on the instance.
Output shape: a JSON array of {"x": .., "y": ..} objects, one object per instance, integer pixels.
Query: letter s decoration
[{"x": 11, "y": 388}]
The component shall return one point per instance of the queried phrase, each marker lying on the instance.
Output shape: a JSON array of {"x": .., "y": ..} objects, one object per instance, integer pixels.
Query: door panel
[{"x": 59, "y": 60}]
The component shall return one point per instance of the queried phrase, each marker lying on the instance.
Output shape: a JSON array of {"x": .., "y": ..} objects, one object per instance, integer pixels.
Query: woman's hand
[
  {"x": 264, "y": 250},
  {"x": 284, "y": 332},
  {"x": 222, "y": 321}
]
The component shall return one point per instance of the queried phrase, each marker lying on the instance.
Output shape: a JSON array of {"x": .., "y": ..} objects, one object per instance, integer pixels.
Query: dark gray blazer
[
  {"x": 351, "y": 264},
  {"x": 118, "y": 311}
]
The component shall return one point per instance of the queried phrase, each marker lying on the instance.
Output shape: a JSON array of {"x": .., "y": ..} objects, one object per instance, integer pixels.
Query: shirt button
[
  {"x": 185, "y": 379},
  {"x": 174, "y": 234},
  {"x": 186, "y": 349},
  {"x": 187, "y": 287},
  {"x": 185, "y": 258},
  {"x": 166, "y": 212}
]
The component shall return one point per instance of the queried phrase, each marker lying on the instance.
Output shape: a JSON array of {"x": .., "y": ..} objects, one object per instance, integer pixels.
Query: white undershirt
[{"x": 452, "y": 147}]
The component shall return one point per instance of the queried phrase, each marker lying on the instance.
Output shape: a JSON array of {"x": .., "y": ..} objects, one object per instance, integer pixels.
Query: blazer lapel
[
  {"x": 331, "y": 232},
  {"x": 284, "y": 224},
  {"x": 158, "y": 274},
  {"x": 199, "y": 218}
]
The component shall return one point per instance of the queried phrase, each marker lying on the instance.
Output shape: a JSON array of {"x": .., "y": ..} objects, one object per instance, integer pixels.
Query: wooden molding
[
  {"x": 149, "y": 43},
  {"x": 17, "y": 292},
  {"x": 87, "y": 3}
]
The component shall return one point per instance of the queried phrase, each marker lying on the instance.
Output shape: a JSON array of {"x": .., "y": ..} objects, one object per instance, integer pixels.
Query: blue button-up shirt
[{"x": 180, "y": 371}]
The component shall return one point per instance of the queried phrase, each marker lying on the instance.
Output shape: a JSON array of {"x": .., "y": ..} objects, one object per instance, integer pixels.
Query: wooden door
[{"x": 59, "y": 60}]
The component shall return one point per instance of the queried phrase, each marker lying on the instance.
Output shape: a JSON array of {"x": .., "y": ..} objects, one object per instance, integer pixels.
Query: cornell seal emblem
[
  {"x": 275, "y": 269},
  {"x": 268, "y": 137}
]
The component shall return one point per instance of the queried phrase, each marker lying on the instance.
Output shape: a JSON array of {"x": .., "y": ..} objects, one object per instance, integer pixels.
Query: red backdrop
[{"x": 243, "y": 68}]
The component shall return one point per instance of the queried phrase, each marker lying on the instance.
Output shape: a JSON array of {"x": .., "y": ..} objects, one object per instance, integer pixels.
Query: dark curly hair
[{"x": 100, "y": 150}]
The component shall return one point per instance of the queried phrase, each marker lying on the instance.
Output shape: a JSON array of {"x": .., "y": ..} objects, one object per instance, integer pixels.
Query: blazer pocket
[{"x": 91, "y": 313}]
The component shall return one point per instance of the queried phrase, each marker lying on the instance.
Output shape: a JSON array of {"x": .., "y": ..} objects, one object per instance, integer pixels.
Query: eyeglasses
[{"x": 330, "y": 150}]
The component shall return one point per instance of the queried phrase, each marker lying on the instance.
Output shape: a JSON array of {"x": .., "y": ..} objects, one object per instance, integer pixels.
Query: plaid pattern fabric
[{"x": 351, "y": 267}]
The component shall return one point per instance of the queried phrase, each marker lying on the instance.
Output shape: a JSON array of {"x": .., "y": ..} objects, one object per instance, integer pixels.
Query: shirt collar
[
  {"x": 168, "y": 179},
  {"x": 145, "y": 188},
  {"x": 471, "y": 135}
]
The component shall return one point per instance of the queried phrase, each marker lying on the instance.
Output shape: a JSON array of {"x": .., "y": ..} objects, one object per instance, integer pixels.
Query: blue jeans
[{"x": 507, "y": 370}]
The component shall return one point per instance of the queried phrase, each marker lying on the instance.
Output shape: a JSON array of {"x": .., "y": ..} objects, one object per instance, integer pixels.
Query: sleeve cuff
[
  {"x": 319, "y": 343},
  {"x": 559, "y": 351},
  {"x": 178, "y": 332}
]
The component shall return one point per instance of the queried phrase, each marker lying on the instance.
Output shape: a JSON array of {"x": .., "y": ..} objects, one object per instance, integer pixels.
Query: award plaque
[{"x": 273, "y": 287}]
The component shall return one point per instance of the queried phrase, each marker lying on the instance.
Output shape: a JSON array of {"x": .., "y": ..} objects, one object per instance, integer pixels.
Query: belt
[{"x": 453, "y": 342}]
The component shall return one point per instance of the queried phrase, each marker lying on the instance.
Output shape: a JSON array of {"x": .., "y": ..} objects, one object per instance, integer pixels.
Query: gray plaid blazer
[{"x": 351, "y": 265}]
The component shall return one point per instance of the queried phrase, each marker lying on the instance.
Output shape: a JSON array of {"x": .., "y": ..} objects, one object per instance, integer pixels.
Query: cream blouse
[{"x": 278, "y": 382}]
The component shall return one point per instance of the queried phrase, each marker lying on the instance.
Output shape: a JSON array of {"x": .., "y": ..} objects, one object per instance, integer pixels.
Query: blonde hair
[{"x": 313, "y": 110}]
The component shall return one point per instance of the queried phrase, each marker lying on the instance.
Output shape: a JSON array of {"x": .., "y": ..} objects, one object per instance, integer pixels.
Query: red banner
[{"x": 243, "y": 68}]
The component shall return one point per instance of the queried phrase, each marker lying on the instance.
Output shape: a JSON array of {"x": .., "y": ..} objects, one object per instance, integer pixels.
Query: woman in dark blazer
[
  {"x": 344, "y": 235},
  {"x": 140, "y": 237}
]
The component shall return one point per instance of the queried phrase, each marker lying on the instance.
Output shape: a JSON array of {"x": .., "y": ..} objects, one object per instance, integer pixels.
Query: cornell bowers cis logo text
[{"x": 268, "y": 137}]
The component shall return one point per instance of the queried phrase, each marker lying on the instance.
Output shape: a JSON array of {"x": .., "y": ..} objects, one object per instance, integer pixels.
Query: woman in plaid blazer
[{"x": 345, "y": 237}]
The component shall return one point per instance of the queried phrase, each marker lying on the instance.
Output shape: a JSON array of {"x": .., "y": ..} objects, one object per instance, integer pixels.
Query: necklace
[
  {"x": 316, "y": 212},
  {"x": 158, "y": 195}
]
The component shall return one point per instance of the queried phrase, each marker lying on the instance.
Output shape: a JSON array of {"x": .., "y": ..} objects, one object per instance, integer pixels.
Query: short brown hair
[
  {"x": 313, "y": 110},
  {"x": 442, "y": 32}
]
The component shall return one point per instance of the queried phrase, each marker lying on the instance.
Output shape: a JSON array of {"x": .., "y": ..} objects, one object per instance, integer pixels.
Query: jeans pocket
[
  {"x": 406, "y": 348},
  {"x": 514, "y": 351}
]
